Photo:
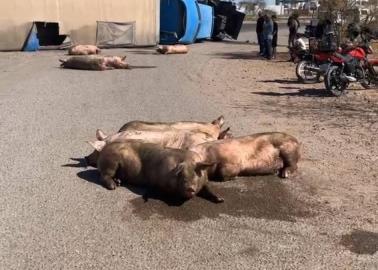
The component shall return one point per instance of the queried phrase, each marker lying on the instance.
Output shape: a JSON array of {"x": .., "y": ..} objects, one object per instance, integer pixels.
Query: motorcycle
[
  {"x": 315, "y": 62},
  {"x": 352, "y": 66}
]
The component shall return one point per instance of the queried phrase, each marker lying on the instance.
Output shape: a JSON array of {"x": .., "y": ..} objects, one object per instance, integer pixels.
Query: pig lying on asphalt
[
  {"x": 172, "y": 49},
  {"x": 83, "y": 50},
  {"x": 178, "y": 139},
  {"x": 213, "y": 128},
  {"x": 171, "y": 171},
  {"x": 95, "y": 62},
  {"x": 263, "y": 153}
]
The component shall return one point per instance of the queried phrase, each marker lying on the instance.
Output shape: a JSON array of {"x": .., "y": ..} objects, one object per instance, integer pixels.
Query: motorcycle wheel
[
  {"x": 306, "y": 76},
  {"x": 368, "y": 82},
  {"x": 333, "y": 82}
]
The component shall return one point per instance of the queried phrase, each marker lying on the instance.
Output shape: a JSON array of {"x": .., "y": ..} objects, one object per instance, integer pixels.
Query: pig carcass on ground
[
  {"x": 178, "y": 139},
  {"x": 83, "y": 50},
  {"x": 95, "y": 62},
  {"x": 172, "y": 49},
  {"x": 172, "y": 171},
  {"x": 262, "y": 153},
  {"x": 213, "y": 128}
]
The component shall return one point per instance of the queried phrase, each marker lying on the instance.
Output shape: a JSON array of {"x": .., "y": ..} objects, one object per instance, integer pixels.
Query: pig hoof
[
  {"x": 284, "y": 173},
  {"x": 218, "y": 200},
  {"x": 111, "y": 186},
  {"x": 118, "y": 182}
]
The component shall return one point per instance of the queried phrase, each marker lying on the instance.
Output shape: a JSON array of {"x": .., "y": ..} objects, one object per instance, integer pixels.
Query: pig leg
[
  {"x": 207, "y": 194},
  {"x": 108, "y": 174},
  {"x": 290, "y": 157},
  {"x": 108, "y": 181},
  {"x": 227, "y": 172}
]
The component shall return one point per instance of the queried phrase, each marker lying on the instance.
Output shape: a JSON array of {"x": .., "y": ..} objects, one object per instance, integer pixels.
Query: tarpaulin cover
[{"x": 114, "y": 34}]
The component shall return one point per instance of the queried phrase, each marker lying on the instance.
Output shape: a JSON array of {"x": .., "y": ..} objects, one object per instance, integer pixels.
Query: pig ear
[
  {"x": 100, "y": 135},
  {"x": 224, "y": 134},
  {"x": 200, "y": 166},
  {"x": 219, "y": 121},
  {"x": 98, "y": 145},
  {"x": 180, "y": 167},
  {"x": 124, "y": 58}
]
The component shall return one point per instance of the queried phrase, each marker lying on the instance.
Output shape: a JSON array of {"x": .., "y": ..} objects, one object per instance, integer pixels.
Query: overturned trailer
[{"x": 105, "y": 23}]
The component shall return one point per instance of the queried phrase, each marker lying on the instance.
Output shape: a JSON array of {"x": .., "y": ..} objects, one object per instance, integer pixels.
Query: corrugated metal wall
[{"x": 76, "y": 18}]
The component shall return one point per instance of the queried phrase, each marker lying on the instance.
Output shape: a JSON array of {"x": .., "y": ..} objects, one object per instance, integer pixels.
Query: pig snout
[{"x": 189, "y": 193}]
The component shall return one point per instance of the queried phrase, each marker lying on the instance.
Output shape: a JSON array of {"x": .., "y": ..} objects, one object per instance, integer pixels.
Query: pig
[
  {"x": 213, "y": 128},
  {"x": 83, "y": 50},
  {"x": 171, "y": 171},
  {"x": 177, "y": 139},
  {"x": 262, "y": 153},
  {"x": 95, "y": 62},
  {"x": 116, "y": 62},
  {"x": 172, "y": 49}
]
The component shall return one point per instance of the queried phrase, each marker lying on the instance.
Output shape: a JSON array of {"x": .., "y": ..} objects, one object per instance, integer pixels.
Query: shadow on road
[
  {"x": 81, "y": 163},
  {"x": 299, "y": 93},
  {"x": 259, "y": 197},
  {"x": 146, "y": 194},
  {"x": 143, "y": 52},
  {"x": 91, "y": 176},
  {"x": 282, "y": 81},
  {"x": 361, "y": 242},
  {"x": 251, "y": 55},
  {"x": 141, "y": 67}
]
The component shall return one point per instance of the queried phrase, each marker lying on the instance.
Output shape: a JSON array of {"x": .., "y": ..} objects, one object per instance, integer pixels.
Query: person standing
[
  {"x": 259, "y": 31},
  {"x": 293, "y": 24},
  {"x": 275, "y": 36},
  {"x": 268, "y": 36}
]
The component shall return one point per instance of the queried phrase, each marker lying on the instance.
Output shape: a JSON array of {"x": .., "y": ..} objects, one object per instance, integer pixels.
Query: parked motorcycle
[
  {"x": 315, "y": 62},
  {"x": 313, "y": 66},
  {"x": 353, "y": 66}
]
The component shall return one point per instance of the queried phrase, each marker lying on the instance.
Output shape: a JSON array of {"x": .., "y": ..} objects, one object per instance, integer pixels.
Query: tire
[
  {"x": 333, "y": 82},
  {"x": 220, "y": 37},
  {"x": 306, "y": 76},
  {"x": 368, "y": 82}
]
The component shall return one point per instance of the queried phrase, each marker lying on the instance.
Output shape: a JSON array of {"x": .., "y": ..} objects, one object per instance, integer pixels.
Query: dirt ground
[
  {"x": 339, "y": 136},
  {"x": 54, "y": 214}
]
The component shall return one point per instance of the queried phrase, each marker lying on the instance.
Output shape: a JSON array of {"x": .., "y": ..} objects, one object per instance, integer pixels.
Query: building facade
[{"x": 78, "y": 19}]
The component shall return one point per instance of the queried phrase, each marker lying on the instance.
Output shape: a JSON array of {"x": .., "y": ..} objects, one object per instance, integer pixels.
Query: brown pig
[
  {"x": 83, "y": 50},
  {"x": 95, "y": 62},
  {"x": 177, "y": 139},
  {"x": 171, "y": 171},
  {"x": 213, "y": 128},
  {"x": 172, "y": 49},
  {"x": 262, "y": 153}
]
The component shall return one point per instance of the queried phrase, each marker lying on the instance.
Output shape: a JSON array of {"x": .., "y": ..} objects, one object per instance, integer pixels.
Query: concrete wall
[{"x": 76, "y": 18}]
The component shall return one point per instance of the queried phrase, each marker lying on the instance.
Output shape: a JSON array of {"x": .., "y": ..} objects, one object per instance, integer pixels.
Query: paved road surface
[{"x": 55, "y": 215}]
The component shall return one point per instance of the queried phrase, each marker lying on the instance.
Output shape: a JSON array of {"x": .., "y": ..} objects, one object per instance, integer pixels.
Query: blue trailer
[{"x": 184, "y": 21}]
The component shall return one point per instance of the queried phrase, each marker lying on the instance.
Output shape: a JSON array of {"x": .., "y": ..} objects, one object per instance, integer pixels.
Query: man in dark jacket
[
  {"x": 268, "y": 36},
  {"x": 259, "y": 31},
  {"x": 293, "y": 24},
  {"x": 275, "y": 36}
]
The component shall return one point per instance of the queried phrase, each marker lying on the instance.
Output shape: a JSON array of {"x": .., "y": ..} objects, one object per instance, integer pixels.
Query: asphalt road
[{"x": 55, "y": 215}]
